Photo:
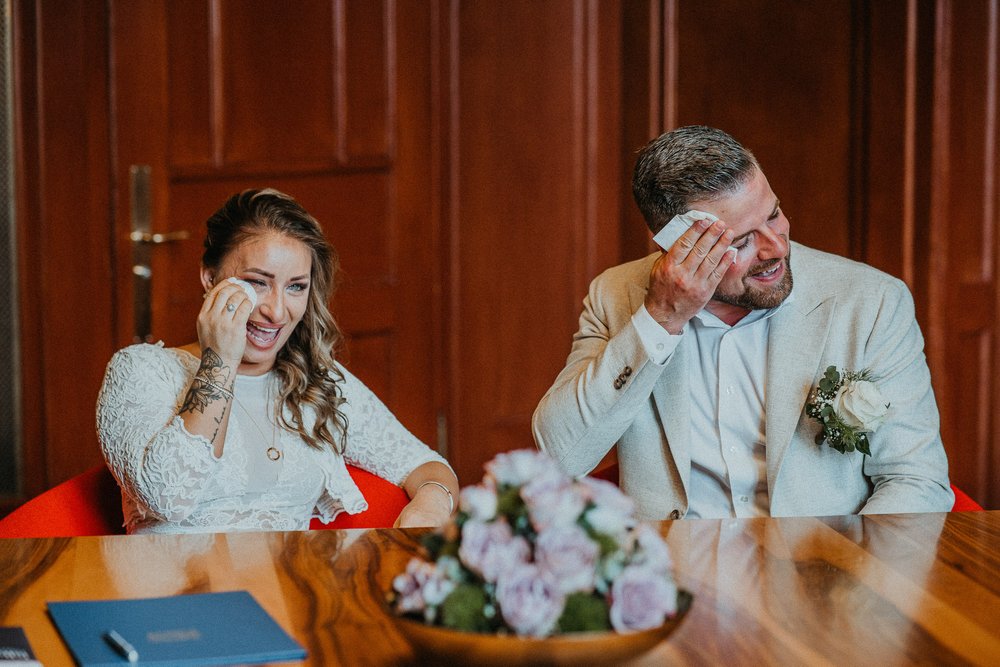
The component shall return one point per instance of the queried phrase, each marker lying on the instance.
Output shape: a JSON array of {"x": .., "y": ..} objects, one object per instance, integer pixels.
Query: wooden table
[{"x": 884, "y": 590}]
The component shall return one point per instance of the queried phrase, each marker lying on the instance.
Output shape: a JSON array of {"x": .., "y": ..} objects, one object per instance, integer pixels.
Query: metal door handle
[{"x": 142, "y": 241}]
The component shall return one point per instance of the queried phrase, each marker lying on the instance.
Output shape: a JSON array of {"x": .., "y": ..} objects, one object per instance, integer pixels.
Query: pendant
[{"x": 273, "y": 453}]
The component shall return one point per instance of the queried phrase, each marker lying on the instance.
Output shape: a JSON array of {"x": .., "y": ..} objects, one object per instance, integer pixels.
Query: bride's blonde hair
[{"x": 305, "y": 365}]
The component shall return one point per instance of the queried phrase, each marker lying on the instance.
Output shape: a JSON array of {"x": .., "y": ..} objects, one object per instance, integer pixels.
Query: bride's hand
[
  {"x": 429, "y": 507},
  {"x": 222, "y": 322}
]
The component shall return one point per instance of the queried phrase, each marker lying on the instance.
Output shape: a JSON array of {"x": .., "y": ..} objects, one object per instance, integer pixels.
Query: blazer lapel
[
  {"x": 795, "y": 344},
  {"x": 671, "y": 398}
]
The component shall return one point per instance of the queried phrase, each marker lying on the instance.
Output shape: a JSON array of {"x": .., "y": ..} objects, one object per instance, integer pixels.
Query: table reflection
[{"x": 891, "y": 589}]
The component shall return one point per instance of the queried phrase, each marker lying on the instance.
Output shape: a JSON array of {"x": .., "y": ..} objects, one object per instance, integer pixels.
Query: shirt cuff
[{"x": 657, "y": 341}]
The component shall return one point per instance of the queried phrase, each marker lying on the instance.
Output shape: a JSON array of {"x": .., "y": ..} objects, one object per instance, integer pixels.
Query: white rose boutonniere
[{"x": 849, "y": 406}]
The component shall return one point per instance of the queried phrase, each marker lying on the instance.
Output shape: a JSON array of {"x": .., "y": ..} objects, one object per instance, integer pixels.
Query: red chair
[
  {"x": 963, "y": 503},
  {"x": 385, "y": 502},
  {"x": 90, "y": 504}
]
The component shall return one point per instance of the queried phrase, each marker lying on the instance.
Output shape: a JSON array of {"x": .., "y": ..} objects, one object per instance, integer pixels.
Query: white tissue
[
  {"x": 248, "y": 288},
  {"x": 679, "y": 224}
]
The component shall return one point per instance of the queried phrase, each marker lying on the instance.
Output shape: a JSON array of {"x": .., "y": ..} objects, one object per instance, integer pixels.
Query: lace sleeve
[
  {"x": 376, "y": 441},
  {"x": 162, "y": 468}
]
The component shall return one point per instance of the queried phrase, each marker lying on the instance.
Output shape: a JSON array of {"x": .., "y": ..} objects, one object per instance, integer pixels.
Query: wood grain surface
[{"x": 891, "y": 589}]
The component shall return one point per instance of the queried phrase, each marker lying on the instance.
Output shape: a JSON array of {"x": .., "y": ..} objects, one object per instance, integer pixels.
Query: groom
[{"x": 699, "y": 361}]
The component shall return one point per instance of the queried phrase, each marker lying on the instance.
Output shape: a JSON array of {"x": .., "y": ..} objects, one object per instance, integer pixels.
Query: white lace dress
[{"x": 172, "y": 482}]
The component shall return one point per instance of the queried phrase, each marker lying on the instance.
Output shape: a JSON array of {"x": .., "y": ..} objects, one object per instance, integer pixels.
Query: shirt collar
[{"x": 707, "y": 319}]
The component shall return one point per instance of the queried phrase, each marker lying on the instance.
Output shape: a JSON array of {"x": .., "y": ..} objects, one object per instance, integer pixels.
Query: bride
[{"x": 251, "y": 427}]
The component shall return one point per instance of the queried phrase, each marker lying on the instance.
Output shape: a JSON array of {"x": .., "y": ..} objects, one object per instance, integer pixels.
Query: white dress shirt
[{"x": 728, "y": 383}]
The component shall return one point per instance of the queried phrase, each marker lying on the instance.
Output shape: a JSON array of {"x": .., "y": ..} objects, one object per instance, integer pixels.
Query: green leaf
[
  {"x": 606, "y": 543},
  {"x": 509, "y": 502},
  {"x": 434, "y": 543},
  {"x": 463, "y": 609},
  {"x": 863, "y": 445},
  {"x": 584, "y": 612}
]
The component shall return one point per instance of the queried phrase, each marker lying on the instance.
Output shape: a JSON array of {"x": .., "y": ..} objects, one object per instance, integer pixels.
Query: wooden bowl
[{"x": 446, "y": 646}]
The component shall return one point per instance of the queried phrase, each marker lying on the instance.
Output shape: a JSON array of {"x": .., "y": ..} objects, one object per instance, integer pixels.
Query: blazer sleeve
[
  {"x": 607, "y": 380},
  {"x": 908, "y": 467}
]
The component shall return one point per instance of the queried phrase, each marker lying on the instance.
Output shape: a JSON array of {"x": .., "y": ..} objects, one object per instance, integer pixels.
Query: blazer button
[
  {"x": 676, "y": 514},
  {"x": 627, "y": 371},
  {"x": 618, "y": 383}
]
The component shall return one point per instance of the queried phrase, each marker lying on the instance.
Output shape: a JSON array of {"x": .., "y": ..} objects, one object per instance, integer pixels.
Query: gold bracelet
[{"x": 451, "y": 498}]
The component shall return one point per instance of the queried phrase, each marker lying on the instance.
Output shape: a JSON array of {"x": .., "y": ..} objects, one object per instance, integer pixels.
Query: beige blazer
[{"x": 843, "y": 313}]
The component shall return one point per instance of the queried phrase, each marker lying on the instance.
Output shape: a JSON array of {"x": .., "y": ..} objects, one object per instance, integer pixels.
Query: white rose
[
  {"x": 860, "y": 404},
  {"x": 479, "y": 502}
]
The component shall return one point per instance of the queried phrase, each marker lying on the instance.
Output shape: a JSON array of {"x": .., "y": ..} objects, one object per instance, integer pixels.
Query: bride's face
[{"x": 278, "y": 267}]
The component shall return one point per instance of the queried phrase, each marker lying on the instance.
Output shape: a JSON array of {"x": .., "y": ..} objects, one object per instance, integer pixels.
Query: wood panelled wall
[
  {"x": 534, "y": 171},
  {"x": 875, "y": 122}
]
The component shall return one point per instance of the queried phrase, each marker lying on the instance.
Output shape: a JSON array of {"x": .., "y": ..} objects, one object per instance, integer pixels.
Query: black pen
[{"x": 119, "y": 644}]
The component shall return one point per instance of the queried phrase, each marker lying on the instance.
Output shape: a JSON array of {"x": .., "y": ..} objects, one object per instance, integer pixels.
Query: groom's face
[{"x": 761, "y": 276}]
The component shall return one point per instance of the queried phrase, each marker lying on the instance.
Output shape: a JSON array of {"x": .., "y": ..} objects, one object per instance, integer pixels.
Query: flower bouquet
[{"x": 535, "y": 554}]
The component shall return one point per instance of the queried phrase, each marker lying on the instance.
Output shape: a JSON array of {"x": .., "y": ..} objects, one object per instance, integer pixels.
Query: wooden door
[
  {"x": 326, "y": 100},
  {"x": 534, "y": 163}
]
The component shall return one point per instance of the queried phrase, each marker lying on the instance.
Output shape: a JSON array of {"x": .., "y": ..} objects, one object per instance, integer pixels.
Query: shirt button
[
  {"x": 729, "y": 390},
  {"x": 744, "y": 499},
  {"x": 732, "y": 449},
  {"x": 659, "y": 346}
]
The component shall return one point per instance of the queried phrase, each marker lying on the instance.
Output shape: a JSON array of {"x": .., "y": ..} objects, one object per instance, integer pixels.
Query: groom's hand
[{"x": 684, "y": 278}]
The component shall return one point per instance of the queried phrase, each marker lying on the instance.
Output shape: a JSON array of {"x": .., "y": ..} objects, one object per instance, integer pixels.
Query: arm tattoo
[
  {"x": 210, "y": 383},
  {"x": 218, "y": 423}
]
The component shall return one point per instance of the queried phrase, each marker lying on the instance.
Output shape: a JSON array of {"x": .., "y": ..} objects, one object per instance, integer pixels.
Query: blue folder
[{"x": 202, "y": 629}]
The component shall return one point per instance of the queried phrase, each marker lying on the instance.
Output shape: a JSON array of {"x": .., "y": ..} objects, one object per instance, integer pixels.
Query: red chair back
[
  {"x": 964, "y": 503},
  {"x": 385, "y": 502},
  {"x": 90, "y": 504}
]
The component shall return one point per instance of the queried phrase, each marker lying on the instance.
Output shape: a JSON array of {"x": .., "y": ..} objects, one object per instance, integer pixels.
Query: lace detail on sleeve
[
  {"x": 164, "y": 470},
  {"x": 376, "y": 441}
]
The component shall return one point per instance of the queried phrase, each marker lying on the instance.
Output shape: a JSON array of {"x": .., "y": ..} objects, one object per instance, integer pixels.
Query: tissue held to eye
[{"x": 248, "y": 288}]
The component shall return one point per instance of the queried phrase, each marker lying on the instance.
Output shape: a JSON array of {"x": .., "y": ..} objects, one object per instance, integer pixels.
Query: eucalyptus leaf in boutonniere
[{"x": 849, "y": 406}]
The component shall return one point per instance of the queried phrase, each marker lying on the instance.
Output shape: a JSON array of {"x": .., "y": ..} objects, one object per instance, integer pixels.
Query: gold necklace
[{"x": 272, "y": 452}]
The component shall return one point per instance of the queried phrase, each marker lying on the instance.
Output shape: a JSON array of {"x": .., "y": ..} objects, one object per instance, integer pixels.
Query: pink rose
[
  {"x": 488, "y": 549},
  {"x": 552, "y": 499},
  {"x": 530, "y": 601},
  {"x": 420, "y": 587},
  {"x": 570, "y": 556},
  {"x": 650, "y": 549},
  {"x": 612, "y": 513},
  {"x": 641, "y": 599},
  {"x": 605, "y": 494},
  {"x": 519, "y": 466}
]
